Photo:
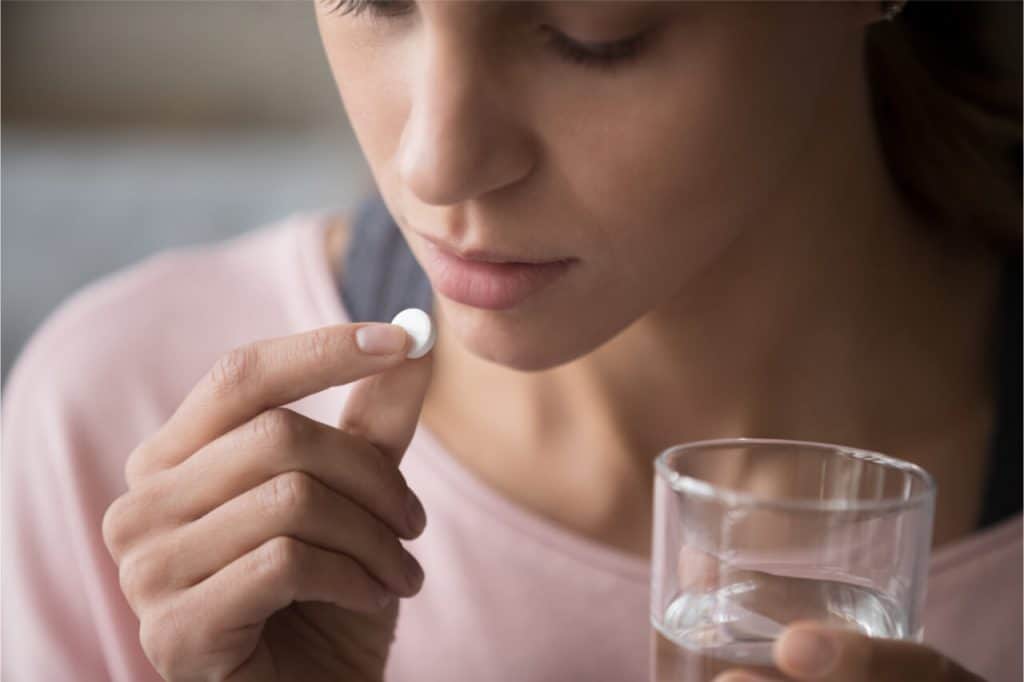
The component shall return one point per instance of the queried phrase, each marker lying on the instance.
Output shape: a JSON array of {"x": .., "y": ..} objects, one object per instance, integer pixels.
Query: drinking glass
[{"x": 753, "y": 534}]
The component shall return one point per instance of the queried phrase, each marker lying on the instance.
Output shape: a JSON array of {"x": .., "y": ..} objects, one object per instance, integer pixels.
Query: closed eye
[
  {"x": 601, "y": 55},
  {"x": 597, "y": 55},
  {"x": 377, "y": 7}
]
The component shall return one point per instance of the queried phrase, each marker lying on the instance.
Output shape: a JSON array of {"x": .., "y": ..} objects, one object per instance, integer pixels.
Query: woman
[{"x": 716, "y": 219}]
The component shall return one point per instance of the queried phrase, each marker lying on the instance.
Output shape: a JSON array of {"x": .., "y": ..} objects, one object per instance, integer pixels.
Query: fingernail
[
  {"x": 804, "y": 652},
  {"x": 414, "y": 512},
  {"x": 381, "y": 339},
  {"x": 413, "y": 572}
]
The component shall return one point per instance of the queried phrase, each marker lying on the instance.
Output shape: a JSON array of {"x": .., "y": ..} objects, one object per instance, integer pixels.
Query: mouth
[
  {"x": 487, "y": 256},
  {"x": 486, "y": 279}
]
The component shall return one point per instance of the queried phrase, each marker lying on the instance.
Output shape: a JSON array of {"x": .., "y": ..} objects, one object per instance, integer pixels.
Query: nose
[{"x": 462, "y": 138}]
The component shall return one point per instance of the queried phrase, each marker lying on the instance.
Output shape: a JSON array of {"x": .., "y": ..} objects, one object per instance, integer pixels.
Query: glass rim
[{"x": 705, "y": 489}]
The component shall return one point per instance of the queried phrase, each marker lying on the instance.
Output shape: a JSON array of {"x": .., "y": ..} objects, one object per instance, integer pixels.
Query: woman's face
[{"x": 483, "y": 128}]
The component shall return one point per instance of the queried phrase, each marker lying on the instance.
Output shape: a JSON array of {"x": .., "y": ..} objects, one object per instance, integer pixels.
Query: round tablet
[{"x": 420, "y": 327}]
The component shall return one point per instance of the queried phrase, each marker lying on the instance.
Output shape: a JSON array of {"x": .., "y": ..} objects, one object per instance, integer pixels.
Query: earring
[{"x": 890, "y": 8}]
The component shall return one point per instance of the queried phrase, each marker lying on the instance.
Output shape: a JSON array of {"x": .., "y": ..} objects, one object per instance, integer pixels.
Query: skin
[
  {"x": 254, "y": 543},
  {"x": 733, "y": 277},
  {"x": 721, "y": 287},
  {"x": 745, "y": 266}
]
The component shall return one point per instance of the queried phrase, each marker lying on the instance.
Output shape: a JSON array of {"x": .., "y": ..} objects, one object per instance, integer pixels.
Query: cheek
[{"x": 697, "y": 138}]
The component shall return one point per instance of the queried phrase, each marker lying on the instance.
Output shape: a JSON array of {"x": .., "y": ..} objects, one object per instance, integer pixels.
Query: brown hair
[{"x": 946, "y": 93}]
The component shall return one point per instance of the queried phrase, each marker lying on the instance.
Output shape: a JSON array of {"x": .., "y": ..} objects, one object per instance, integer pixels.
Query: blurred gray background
[{"x": 130, "y": 127}]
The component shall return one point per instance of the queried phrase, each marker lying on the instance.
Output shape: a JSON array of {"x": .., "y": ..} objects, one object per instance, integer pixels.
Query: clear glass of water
[{"x": 751, "y": 535}]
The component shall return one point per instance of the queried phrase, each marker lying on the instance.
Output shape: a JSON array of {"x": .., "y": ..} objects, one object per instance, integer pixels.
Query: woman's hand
[
  {"x": 812, "y": 652},
  {"x": 254, "y": 543}
]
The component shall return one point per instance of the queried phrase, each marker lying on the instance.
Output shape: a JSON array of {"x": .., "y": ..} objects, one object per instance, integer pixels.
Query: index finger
[{"x": 264, "y": 374}]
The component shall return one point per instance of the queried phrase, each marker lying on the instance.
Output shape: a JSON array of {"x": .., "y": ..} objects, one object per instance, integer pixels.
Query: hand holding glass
[{"x": 751, "y": 535}]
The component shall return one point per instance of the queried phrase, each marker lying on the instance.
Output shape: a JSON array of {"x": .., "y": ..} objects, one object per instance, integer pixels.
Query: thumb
[
  {"x": 808, "y": 651},
  {"x": 385, "y": 408}
]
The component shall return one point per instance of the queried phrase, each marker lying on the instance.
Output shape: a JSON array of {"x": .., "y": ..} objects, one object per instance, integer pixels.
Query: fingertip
[
  {"x": 806, "y": 650},
  {"x": 740, "y": 676},
  {"x": 383, "y": 339},
  {"x": 415, "y": 514}
]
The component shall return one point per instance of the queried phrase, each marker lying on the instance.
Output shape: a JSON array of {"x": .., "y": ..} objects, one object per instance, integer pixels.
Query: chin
[{"x": 522, "y": 343}]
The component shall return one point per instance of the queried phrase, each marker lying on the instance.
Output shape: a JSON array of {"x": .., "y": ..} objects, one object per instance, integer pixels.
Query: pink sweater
[{"x": 508, "y": 594}]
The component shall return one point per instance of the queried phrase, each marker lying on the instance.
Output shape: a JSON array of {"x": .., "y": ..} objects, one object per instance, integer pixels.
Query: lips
[{"x": 485, "y": 284}]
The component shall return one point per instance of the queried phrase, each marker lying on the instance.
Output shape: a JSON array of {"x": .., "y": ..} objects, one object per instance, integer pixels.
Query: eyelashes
[
  {"x": 599, "y": 55},
  {"x": 357, "y": 7},
  {"x": 346, "y": 6},
  {"x": 604, "y": 56}
]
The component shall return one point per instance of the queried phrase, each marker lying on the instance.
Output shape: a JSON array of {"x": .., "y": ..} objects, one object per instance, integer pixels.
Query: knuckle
[
  {"x": 394, "y": 486},
  {"x": 320, "y": 345},
  {"x": 290, "y": 492},
  {"x": 234, "y": 369},
  {"x": 130, "y": 517},
  {"x": 152, "y": 645},
  {"x": 133, "y": 471},
  {"x": 388, "y": 477},
  {"x": 278, "y": 557},
  {"x": 138, "y": 573},
  {"x": 277, "y": 427},
  {"x": 138, "y": 464},
  {"x": 162, "y": 636},
  {"x": 113, "y": 529}
]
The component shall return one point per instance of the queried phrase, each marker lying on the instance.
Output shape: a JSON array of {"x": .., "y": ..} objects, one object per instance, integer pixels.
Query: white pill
[{"x": 420, "y": 327}]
